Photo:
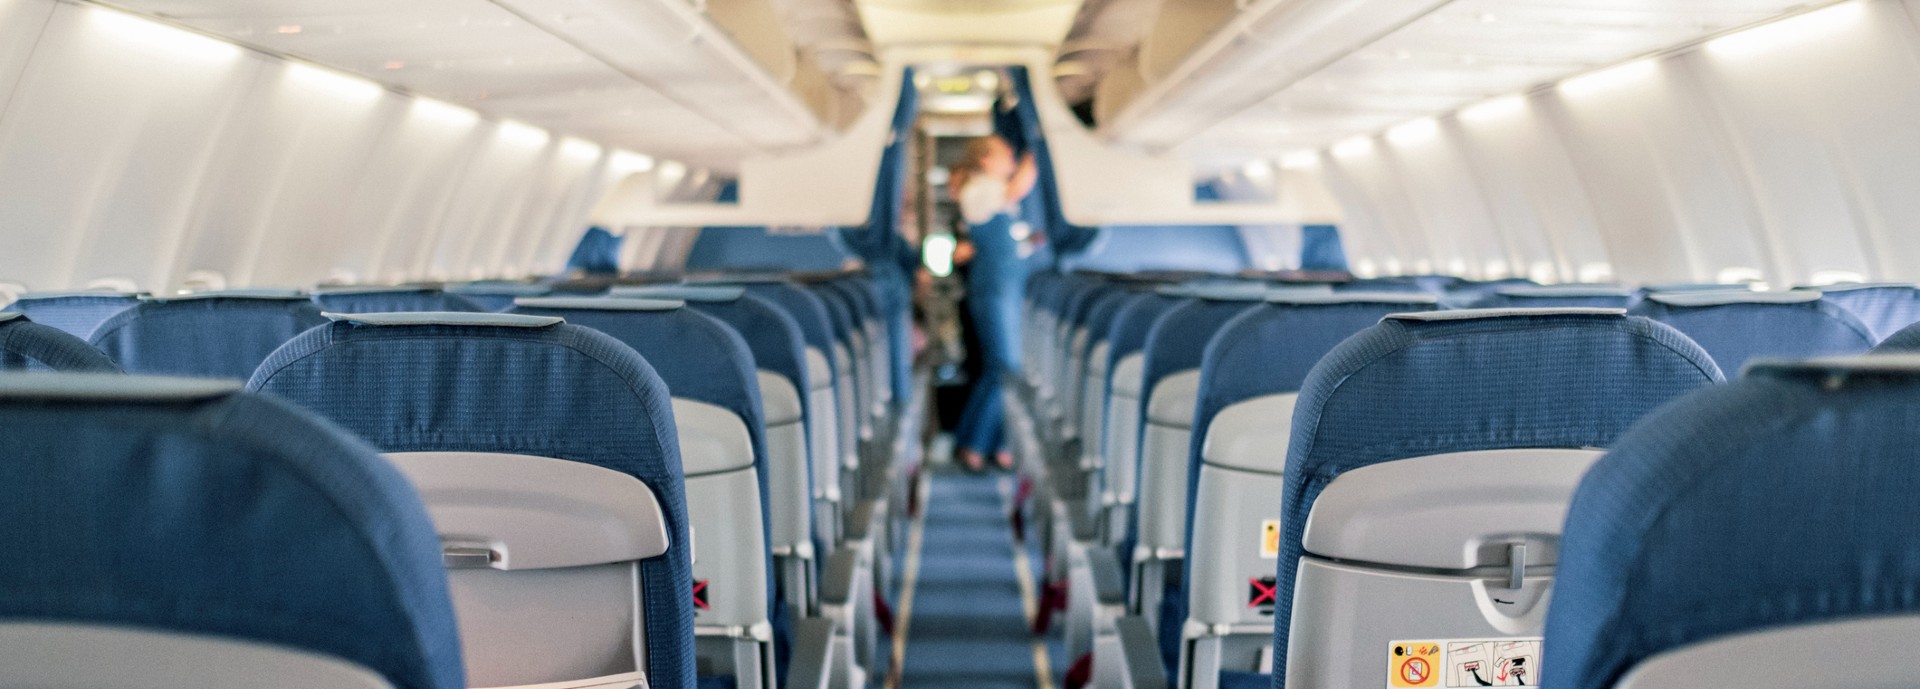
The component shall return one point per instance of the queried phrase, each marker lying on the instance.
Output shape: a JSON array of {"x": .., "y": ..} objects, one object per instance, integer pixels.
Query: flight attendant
[{"x": 988, "y": 185}]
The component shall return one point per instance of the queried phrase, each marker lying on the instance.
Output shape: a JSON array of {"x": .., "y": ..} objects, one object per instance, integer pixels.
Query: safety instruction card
[{"x": 1463, "y": 663}]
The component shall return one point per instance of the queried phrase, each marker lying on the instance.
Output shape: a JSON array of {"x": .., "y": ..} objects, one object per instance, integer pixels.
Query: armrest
[
  {"x": 860, "y": 522},
  {"x": 1080, "y": 519},
  {"x": 812, "y": 664},
  {"x": 1140, "y": 652},
  {"x": 1108, "y": 585},
  {"x": 838, "y": 578}
]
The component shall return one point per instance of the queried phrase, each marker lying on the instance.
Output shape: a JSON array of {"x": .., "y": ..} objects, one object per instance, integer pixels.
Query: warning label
[
  {"x": 1270, "y": 539},
  {"x": 1414, "y": 664},
  {"x": 1463, "y": 663}
]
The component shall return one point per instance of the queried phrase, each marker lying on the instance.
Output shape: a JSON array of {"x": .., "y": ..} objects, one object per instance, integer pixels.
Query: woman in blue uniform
[{"x": 988, "y": 184}]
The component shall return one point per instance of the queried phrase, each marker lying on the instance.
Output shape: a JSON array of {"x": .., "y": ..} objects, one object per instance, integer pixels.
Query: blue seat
[
  {"x": 1250, "y": 376},
  {"x": 804, "y": 518},
  {"x": 77, "y": 313},
  {"x": 1169, "y": 379},
  {"x": 547, "y": 456},
  {"x": 716, "y": 390},
  {"x": 1884, "y": 308},
  {"x": 1428, "y": 470},
  {"x": 1761, "y": 535},
  {"x": 29, "y": 346},
  {"x": 1125, "y": 364},
  {"x": 191, "y": 534},
  {"x": 212, "y": 334},
  {"x": 391, "y": 299},
  {"x": 1739, "y": 326},
  {"x": 1557, "y": 296}
]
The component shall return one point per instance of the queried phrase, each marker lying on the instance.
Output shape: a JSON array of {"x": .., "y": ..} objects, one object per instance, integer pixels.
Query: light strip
[
  {"x": 1494, "y": 110},
  {"x": 160, "y": 37},
  {"x": 1610, "y": 78},
  {"x": 522, "y": 134},
  {"x": 579, "y": 149},
  {"x": 1355, "y": 147},
  {"x": 336, "y": 84},
  {"x": 1791, "y": 31},
  {"x": 444, "y": 113},
  {"x": 1416, "y": 132},
  {"x": 628, "y": 162}
]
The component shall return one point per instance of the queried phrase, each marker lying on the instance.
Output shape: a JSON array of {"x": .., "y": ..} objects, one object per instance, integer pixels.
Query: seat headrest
[
  {"x": 1837, "y": 372},
  {"x": 499, "y": 288},
  {"x": 1212, "y": 290},
  {"x": 260, "y": 294},
  {"x": 1408, "y": 298},
  {"x": 194, "y": 508},
  {"x": 1550, "y": 291},
  {"x": 325, "y": 290},
  {"x": 1784, "y": 498},
  {"x": 600, "y": 303},
  {"x": 106, "y": 387},
  {"x": 1489, "y": 314},
  {"x": 1858, "y": 286},
  {"x": 85, "y": 294},
  {"x": 690, "y": 293},
  {"x": 459, "y": 318},
  {"x": 1733, "y": 296}
]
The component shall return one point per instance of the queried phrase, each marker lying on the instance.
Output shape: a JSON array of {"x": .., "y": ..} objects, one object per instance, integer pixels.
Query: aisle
[{"x": 967, "y": 627}]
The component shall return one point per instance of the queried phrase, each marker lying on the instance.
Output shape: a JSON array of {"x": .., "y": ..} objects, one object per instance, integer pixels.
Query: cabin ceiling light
[
  {"x": 522, "y": 134},
  {"x": 579, "y": 149},
  {"x": 1610, "y": 78},
  {"x": 1795, "y": 30},
  {"x": 1496, "y": 109},
  {"x": 1416, "y": 132},
  {"x": 158, "y": 37},
  {"x": 628, "y": 162},
  {"x": 444, "y": 113},
  {"x": 1258, "y": 169},
  {"x": 336, "y": 84},
  {"x": 1301, "y": 160},
  {"x": 1355, "y": 147}
]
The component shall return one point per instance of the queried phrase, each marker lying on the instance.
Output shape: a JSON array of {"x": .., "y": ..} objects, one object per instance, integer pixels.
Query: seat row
[
  {"x": 1249, "y": 479},
  {"x": 669, "y": 482}
]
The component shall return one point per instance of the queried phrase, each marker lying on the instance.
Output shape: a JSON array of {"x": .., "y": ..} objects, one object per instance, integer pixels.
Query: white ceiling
[
  {"x": 645, "y": 75},
  {"x": 1465, "y": 51},
  {"x": 963, "y": 23}
]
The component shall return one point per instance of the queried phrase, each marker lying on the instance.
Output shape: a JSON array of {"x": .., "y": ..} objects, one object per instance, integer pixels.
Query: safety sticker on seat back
[
  {"x": 1270, "y": 539},
  {"x": 1463, "y": 663}
]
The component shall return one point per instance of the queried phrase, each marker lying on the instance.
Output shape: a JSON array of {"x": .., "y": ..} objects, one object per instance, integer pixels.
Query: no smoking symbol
[{"x": 1415, "y": 671}]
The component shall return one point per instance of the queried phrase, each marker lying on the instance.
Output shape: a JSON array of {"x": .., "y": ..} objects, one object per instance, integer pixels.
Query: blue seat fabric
[
  {"x": 396, "y": 300},
  {"x": 233, "y": 515},
  {"x": 77, "y": 314},
  {"x": 560, "y": 391},
  {"x": 1405, "y": 389},
  {"x": 1774, "y": 500},
  {"x": 1740, "y": 332},
  {"x": 29, "y": 346},
  {"x": 215, "y": 337}
]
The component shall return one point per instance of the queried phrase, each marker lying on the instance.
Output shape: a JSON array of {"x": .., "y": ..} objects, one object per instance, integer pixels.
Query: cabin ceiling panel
[
  {"x": 1440, "y": 57},
  {"x": 638, "y": 74}
]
